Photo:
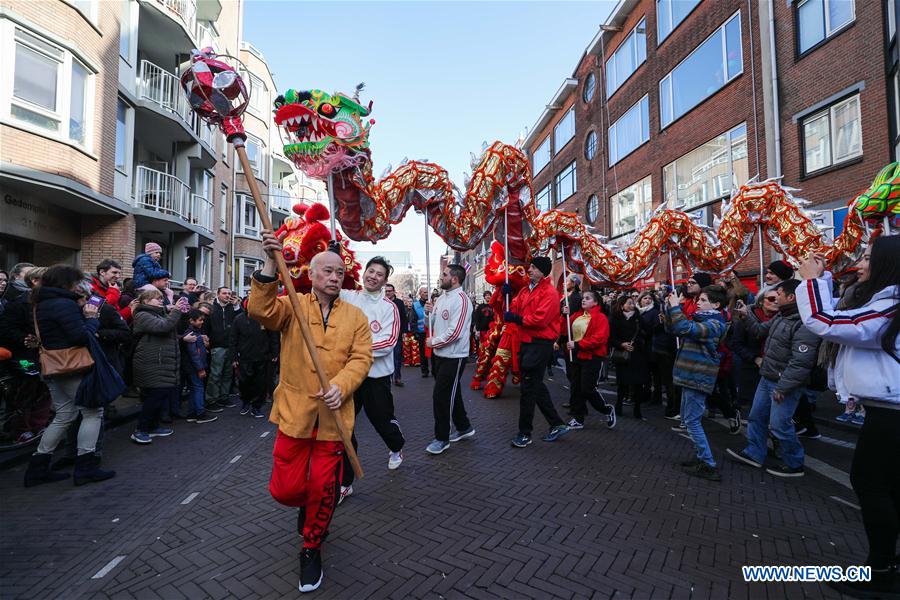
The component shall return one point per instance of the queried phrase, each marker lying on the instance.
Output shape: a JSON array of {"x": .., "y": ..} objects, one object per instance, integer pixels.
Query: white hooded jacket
[
  {"x": 384, "y": 322},
  {"x": 863, "y": 369}
]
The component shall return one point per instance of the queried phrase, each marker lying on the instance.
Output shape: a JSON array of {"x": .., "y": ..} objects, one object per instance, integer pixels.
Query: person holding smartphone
[{"x": 224, "y": 310}]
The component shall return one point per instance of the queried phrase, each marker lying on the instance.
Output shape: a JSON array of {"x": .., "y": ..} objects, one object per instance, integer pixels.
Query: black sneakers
[
  {"x": 783, "y": 470},
  {"x": 703, "y": 471},
  {"x": 310, "y": 569}
]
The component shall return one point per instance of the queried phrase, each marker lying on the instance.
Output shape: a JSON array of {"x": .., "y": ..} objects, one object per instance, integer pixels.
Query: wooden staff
[
  {"x": 295, "y": 301},
  {"x": 566, "y": 294}
]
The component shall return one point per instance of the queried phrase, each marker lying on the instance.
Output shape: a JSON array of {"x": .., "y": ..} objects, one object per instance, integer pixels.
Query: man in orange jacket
[{"x": 535, "y": 315}]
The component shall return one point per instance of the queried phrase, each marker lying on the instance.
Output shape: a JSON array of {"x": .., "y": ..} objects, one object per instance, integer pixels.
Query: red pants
[{"x": 307, "y": 473}]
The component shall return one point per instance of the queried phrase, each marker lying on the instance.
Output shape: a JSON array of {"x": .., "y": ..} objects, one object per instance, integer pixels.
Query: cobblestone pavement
[{"x": 598, "y": 514}]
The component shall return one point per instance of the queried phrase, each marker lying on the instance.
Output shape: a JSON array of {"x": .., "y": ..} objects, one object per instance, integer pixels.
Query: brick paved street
[{"x": 598, "y": 514}]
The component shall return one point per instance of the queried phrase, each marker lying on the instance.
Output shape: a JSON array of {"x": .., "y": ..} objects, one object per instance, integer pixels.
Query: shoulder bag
[{"x": 65, "y": 361}]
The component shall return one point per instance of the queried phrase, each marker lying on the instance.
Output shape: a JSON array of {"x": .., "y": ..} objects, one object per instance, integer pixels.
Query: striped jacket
[
  {"x": 384, "y": 322},
  {"x": 452, "y": 322},
  {"x": 697, "y": 363}
]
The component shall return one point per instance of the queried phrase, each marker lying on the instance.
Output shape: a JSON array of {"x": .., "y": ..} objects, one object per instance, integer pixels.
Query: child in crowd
[
  {"x": 697, "y": 367},
  {"x": 146, "y": 266},
  {"x": 195, "y": 347}
]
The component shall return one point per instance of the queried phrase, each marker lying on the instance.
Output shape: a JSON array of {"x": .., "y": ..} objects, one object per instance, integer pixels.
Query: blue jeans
[
  {"x": 195, "y": 395},
  {"x": 775, "y": 416},
  {"x": 693, "y": 404}
]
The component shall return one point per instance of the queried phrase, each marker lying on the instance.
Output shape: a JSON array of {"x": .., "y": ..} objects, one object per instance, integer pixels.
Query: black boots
[
  {"x": 39, "y": 471},
  {"x": 87, "y": 469}
]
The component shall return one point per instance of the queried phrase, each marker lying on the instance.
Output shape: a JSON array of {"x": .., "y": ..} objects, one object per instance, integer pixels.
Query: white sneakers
[
  {"x": 346, "y": 490},
  {"x": 395, "y": 459}
]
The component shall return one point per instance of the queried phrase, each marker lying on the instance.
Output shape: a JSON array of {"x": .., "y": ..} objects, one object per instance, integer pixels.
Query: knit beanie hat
[
  {"x": 152, "y": 247},
  {"x": 782, "y": 269},
  {"x": 543, "y": 263},
  {"x": 702, "y": 279}
]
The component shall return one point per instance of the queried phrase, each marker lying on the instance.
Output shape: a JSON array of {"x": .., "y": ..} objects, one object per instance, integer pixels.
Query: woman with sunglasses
[
  {"x": 749, "y": 347},
  {"x": 867, "y": 367}
]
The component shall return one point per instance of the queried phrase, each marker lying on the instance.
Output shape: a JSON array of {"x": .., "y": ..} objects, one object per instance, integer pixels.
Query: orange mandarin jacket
[{"x": 345, "y": 352}]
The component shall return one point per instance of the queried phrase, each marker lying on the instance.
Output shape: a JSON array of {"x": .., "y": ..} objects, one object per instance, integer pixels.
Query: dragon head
[
  {"x": 882, "y": 198},
  {"x": 324, "y": 133}
]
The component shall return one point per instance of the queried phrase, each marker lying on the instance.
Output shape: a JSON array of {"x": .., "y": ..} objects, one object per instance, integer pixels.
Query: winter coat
[
  {"x": 863, "y": 369},
  {"x": 146, "y": 270},
  {"x": 220, "y": 321},
  {"x": 697, "y": 363},
  {"x": 156, "y": 356},
  {"x": 15, "y": 324},
  {"x": 539, "y": 309},
  {"x": 661, "y": 341},
  {"x": 401, "y": 314},
  {"x": 790, "y": 351},
  {"x": 566, "y": 321},
  {"x": 636, "y": 370},
  {"x": 748, "y": 348},
  {"x": 345, "y": 353},
  {"x": 596, "y": 337},
  {"x": 195, "y": 356},
  {"x": 251, "y": 343},
  {"x": 60, "y": 319},
  {"x": 113, "y": 333}
]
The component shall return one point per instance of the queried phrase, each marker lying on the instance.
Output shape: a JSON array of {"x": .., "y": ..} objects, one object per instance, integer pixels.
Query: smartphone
[{"x": 96, "y": 300}]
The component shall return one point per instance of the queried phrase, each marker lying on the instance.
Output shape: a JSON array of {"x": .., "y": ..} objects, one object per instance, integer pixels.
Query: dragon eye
[{"x": 327, "y": 110}]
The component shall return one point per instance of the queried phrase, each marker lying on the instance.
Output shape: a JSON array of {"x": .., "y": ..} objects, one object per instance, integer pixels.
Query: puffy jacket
[
  {"x": 790, "y": 351},
  {"x": 60, "y": 320},
  {"x": 146, "y": 270},
  {"x": 220, "y": 321},
  {"x": 596, "y": 338},
  {"x": 156, "y": 355},
  {"x": 539, "y": 309},
  {"x": 697, "y": 362},
  {"x": 195, "y": 353},
  {"x": 862, "y": 368}
]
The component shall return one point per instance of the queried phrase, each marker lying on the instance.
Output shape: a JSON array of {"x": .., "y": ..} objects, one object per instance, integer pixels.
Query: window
[
  {"x": 205, "y": 274},
  {"x": 51, "y": 90},
  {"x": 542, "y": 201},
  {"x": 630, "y": 131},
  {"x": 892, "y": 20},
  {"x": 566, "y": 183},
  {"x": 86, "y": 8},
  {"x": 708, "y": 173},
  {"x": 593, "y": 209},
  {"x": 590, "y": 145},
  {"x": 256, "y": 155},
  {"x": 821, "y": 19},
  {"x": 125, "y": 30},
  {"x": 223, "y": 207},
  {"x": 246, "y": 267},
  {"x": 248, "y": 219},
  {"x": 705, "y": 71},
  {"x": 832, "y": 136},
  {"x": 541, "y": 157},
  {"x": 669, "y": 13},
  {"x": 631, "y": 207},
  {"x": 121, "y": 135},
  {"x": 590, "y": 84},
  {"x": 259, "y": 96},
  {"x": 564, "y": 131},
  {"x": 627, "y": 58},
  {"x": 222, "y": 270}
]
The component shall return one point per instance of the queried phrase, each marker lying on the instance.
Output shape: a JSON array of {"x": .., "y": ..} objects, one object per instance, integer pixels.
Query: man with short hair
[
  {"x": 374, "y": 393},
  {"x": 451, "y": 316},
  {"x": 105, "y": 283},
  {"x": 218, "y": 385},
  {"x": 308, "y": 453},
  {"x": 190, "y": 289},
  {"x": 390, "y": 292},
  {"x": 534, "y": 313},
  {"x": 776, "y": 272},
  {"x": 419, "y": 329},
  {"x": 790, "y": 353}
]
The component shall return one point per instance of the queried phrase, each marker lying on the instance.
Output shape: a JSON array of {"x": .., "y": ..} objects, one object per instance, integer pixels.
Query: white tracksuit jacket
[
  {"x": 862, "y": 369},
  {"x": 452, "y": 319},
  {"x": 384, "y": 322}
]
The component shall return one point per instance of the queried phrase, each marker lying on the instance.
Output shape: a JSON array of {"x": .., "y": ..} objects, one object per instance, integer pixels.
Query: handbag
[
  {"x": 620, "y": 356},
  {"x": 64, "y": 361}
]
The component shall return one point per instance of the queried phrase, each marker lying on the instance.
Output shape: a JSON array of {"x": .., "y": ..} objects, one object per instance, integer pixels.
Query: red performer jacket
[
  {"x": 596, "y": 338},
  {"x": 539, "y": 308}
]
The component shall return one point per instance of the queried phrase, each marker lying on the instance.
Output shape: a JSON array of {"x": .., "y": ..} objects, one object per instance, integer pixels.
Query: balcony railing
[
  {"x": 201, "y": 211},
  {"x": 161, "y": 192},
  {"x": 207, "y": 133},
  {"x": 184, "y": 11},
  {"x": 164, "y": 89},
  {"x": 280, "y": 199}
]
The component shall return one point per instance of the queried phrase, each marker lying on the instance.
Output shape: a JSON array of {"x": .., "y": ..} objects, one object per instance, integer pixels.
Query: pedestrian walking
[
  {"x": 631, "y": 357},
  {"x": 590, "y": 335}
]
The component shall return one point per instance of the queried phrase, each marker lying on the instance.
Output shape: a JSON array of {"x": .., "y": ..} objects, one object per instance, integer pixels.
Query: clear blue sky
[{"x": 444, "y": 76}]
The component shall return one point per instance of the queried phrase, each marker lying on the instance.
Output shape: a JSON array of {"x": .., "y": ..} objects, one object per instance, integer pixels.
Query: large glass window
[
  {"x": 564, "y": 131},
  {"x": 566, "y": 183},
  {"x": 705, "y": 71},
  {"x": 669, "y": 13},
  {"x": 543, "y": 201},
  {"x": 708, "y": 173},
  {"x": 77, "y": 107},
  {"x": 833, "y": 135},
  {"x": 631, "y": 207},
  {"x": 630, "y": 131},
  {"x": 121, "y": 134},
  {"x": 820, "y": 19},
  {"x": 627, "y": 58},
  {"x": 541, "y": 157}
]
